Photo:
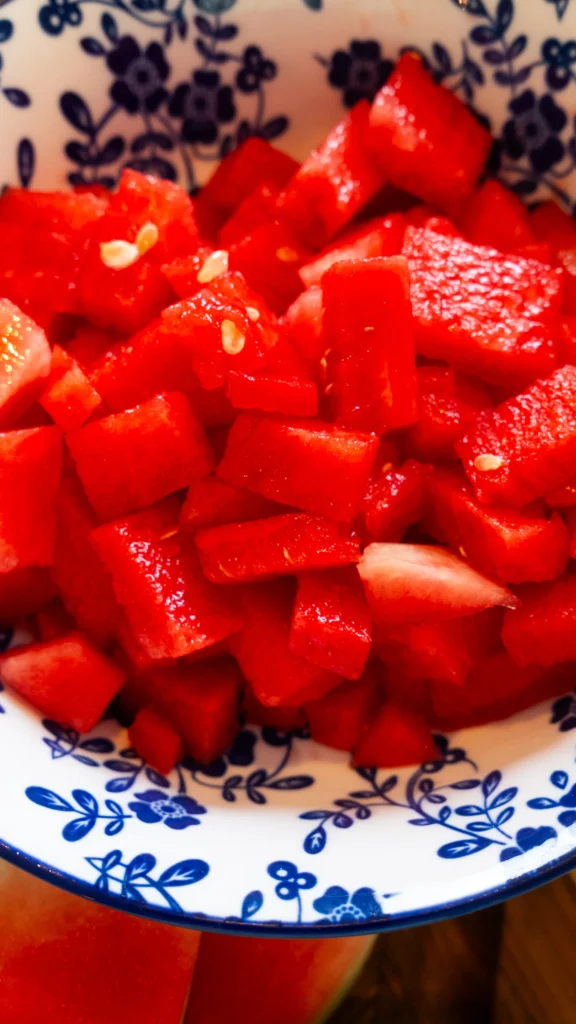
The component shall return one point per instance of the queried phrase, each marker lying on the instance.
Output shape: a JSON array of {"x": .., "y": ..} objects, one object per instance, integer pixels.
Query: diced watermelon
[
  {"x": 530, "y": 441},
  {"x": 282, "y": 718},
  {"x": 303, "y": 323},
  {"x": 253, "y": 163},
  {"x": 337, "y": 719},
  {"x": 550, "y": 223},
  {"x": 486, "y": 313},
  {"x": 333, "y": 183},
  {"x": 409, "y": 583},
  {"x": 53, "y": 621},
  {"x": 123, "y": 300},
  {"x": 512, "y": 545},
  {"x": 368, "y": 330},
  {"x": 64, "y": 212},
  {"x": 542, "y": 631},
  {"x": 30, "y": 464},
  {"x": 279, "y": 546},
  {"x": 39, "y": 271},
  {"x": 425, "y": 139},
  {"x": 269, "y": 257},
  {"x": 24, "y": 591},
  {"x": 201, "y": 703},
  {"x": 183, "y": 272},
  {"x": 69, "y": 397},
  {"x": 141, "y": 199},
  {"x": 154, "y": 739},
  {"x": 447, "y": 405},
  {"x": 313, "y": 465},
  {"x": 224, "y": 326},
  {"x": 88, "y": 344},
  {"x": 48, "y": 675},
  {"x": 273, "y": 392},
  {"x": 262, "y": 649},
  {"x": 562, "y": 497},
  {"x": 331, "y": 622},
  {"x": 83, "y": 582},
  {"x": 494, "y": 216},
  {"x": 396, "y": 736},
  {"x": 25, "y": 360},
  {"x": 381, "y": 236},
  {"x": 257, "y": 208},
  {"x": 171, "y": 607},
  {"x": 213, "y": 502},
  {"x": 395, "y": 499},
  {"x": 131, "y": 459},
  {"x": 445, "y": 650}
]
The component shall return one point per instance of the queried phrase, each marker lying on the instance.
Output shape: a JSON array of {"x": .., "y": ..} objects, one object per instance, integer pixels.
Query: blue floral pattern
[
  {"x": 176, "y": 812},
  {"x": 135, "y": 880}
]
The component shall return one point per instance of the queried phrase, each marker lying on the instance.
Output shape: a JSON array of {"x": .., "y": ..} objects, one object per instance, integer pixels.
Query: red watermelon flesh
[
  {"x": 24, "y": 591},
  {"x": 331, "y": 622},
  {"x": 69, "y": 398},
  {"x": 381, "y": 236},
  {"x": 337, "y": 719},
  {"x": 396, "y": 498},
  {"x": 447, "y": 405},
  {"x": 494, "y": 216},
  {"x": 30, "y": 465},
  {"x": 214, "y": 502},
  {"x": 395, "y": 736},
  {"x": 154, "y": 739},
  {"x": 256, "y": 209},
  {"x": 542, "y": 630},
  {"x": 253, "y": 163},
  {"x": 24, "y": 361}
]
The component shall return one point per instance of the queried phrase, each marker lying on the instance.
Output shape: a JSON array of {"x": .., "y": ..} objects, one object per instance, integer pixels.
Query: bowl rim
[{"x": 517, "y": 886}]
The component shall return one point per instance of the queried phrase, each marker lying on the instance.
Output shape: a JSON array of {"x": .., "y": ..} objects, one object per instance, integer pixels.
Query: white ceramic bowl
[{"x": 281, "y": 836}]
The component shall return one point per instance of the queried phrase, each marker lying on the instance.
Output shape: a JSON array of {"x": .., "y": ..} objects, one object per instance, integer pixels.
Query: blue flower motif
[
  {"x": 57, "y": 14},
  {"x": 176, "y": 812},
  {"x": 290, "y": 880},
  {"x": 559, "y": 59},
  {"x": 255, "y": 70},
  {"x": 203, "y": 105},
  {"x": 338, "y": 905},
  {"x": 360, "y": 71},
  {"x": 141, "y": 75},
  {"x": 533, "y": 130},
  {"x": 564, "y": 712}
]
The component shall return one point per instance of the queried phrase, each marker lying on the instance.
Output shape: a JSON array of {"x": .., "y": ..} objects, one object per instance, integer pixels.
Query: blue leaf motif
[
  {"x": 567, "y": 818},
  {"x": 463, "y": 848},
  {"x": 113, "y": 807},
  {"x": 46, "y": 798},
  {"x": 6, "y": 29},
  {"x": 504, "y": 14},
  {"x": 444, "y": 814},
  {"x": 559, "y": 779},
  {"x": 251, "y": 904},
  {"x": 503, "y": 798},
  {"x": 119, "y": 785},
  {"x": 483, "y": 34},
  {"x": 88, "y": 761},
  {"x": 314, "y": 5},
  {"x": 109, "y": 28},
  {"x": 92, "y": 46},
  {"x": 316, "y": 841},
  {"x": 491, "y": 782},
  {"x": 111, "y": 860},
  {"x": 77, "y": 829},
  {"x": 315, "y": 815},
  {"x": 272, "y": 129},
  {"x": 505, "y": 816},
  {"x": 114, "y": 827},
  {"x": 132, "y": 893},
  {"x": 529, "y": 838},
  {"x": 141, "y": 865},
  {"x": 156, "y": 778},
  {"x": 185, "y": 872},
  {"x": 342, "y": 821},
  {"x": 541, "y": 803},
  {"x": 469, "y": 810},
  {"x": 98, "y": 745},
  {"x": 86, "y": 801},
  {"x": 479, "y": 826},
  {"x": 76, "y": 112},
  {"x": 292, "y": 782},
  {"x": 119, "y": 766},
  {"x": 466, "y": 784},
  {"x": 436, "y": 798},
  {"x": 422, "y": 821},
  {"x": 17, "y": 97},
  {"x": 569, "y": 798}
]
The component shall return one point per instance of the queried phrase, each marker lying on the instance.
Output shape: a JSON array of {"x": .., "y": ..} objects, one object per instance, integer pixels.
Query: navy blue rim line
[{"x": 407, "y": 919}]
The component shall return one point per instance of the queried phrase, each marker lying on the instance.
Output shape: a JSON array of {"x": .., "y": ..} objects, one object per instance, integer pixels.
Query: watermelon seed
[
  {"x": 214, "y": 265},
  {"x": 146, "y": 237},
  {"x": 286, "y": 255},
  {"x": 252, "y": 313},
  {"x": 118, "y": 254},
  {"x": 233, "y": 340},
  {"x": 488, "y": 463}
]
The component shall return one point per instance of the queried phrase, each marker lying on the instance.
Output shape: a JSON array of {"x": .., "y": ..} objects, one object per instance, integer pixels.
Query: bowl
[{"x": 281, "y": 836}]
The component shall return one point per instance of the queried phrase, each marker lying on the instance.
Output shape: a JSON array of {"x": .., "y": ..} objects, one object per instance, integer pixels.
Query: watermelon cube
[
  {"x": 282, "y": 718},
  {"x": 53, "y": 621},
  {"x": 282, "y": 545},
  {"x": 63, "y": 212},
  {"x": 125, "y": 299},
  {"x": 315, "y": 466},
  {"x": 214, "y": 502},
  {"x": 381, "y": 236},
  {"x": 331, "y": 622},
  {"x": 368, "y": 330},
  {"x": 30, "y": 464},
  {"x": 224, "y": 326},
  {"x": 542, "y": 630},
  {"x": 171, "y": 607},
  {"x": 409, "y": 583},
  {"x": 188, "y": 274},
  {"x": 24, "y": 591},
  {"x": 69, "y": 397},
  {"x": 494, "y": 216},
  {"x": 88, "y": 344},
  {"x": 269, "y": 257},
  {"x": 262, "y": 649},
  {"x": 338, "y": 718},
  {"x": 154, "y": 739},
  {"x": 447, "y": 405},
  {"x": 486, "y": 313},
  {"x": 83, "y": 582},
  {"x": 426, "y": 141},
  {"x": 275, "y": 391},
  {"x": 25, "y": 360},
  {"x": 396, "y": 498},
  {"x": 395, "y": 736},
  {"x": 67, "y": 679},
  {"x": 334, "y": 182},
  {"x": 256, "y": 209},
  {"x": 131, "y": 459},
  {"x": 511, "y": 545},
  {"x": 201, "y": 704},
  {"x": 303, "y": 325},
  {"x": 253, "y": 163},
  {"x": 526, "y": 447}
]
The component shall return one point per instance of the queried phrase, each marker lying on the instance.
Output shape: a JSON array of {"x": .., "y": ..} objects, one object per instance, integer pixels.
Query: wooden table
[{"x": 511, "y": 964}]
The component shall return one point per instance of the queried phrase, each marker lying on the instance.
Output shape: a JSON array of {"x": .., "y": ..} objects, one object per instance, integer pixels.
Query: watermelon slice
[
  {"x": 256, "y": 209},
  {"x": 30, "y": 463},
  {"x": 338, "y": 718},
  {"x": 381, "y": 236},
  {"x": 408, "y": 583},
  {"x": 25, "y": 360},
  {"x": 303, "y": 323},
  {"x": 396, "y": 498},
  {"x": 214, "y": 502},
  {"x": 331, "y": 623},
  {"x": 542, "y": 630},
  {"x": 253, "y": 163},
  {"x": 69, "y": 398},
  {"x": 24, "y": 591},
  {"x": 395, "y": 736},
  {"x": 494, "y": 216},
  {"x": 269, "y": 257},
  {"x": 447, "y": 405}
]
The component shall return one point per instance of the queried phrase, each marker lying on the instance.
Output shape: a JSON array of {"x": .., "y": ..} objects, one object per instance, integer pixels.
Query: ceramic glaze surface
[{"x": 281, "y": 834}]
